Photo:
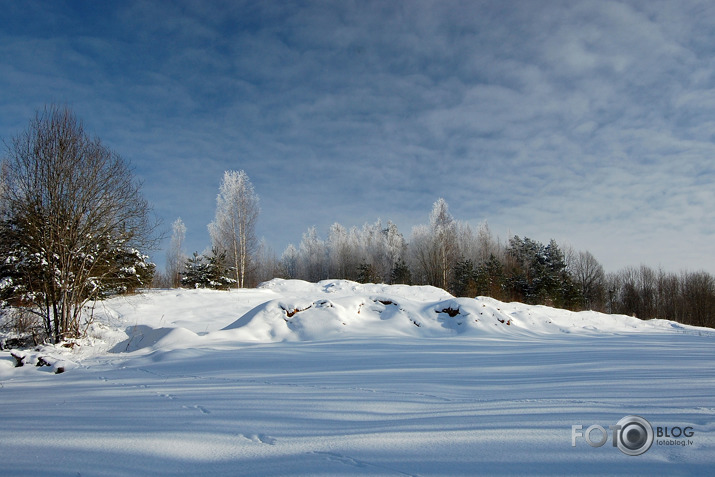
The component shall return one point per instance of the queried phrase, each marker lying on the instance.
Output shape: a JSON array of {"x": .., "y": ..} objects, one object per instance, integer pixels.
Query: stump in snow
[{"x": 18, "y": 360}]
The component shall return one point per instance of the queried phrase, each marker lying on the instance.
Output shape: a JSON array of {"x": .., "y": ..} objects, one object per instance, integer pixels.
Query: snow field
[{"x": 216, "y": 383}]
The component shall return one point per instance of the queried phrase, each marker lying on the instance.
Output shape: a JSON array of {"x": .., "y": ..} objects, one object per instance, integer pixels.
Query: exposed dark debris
[
  {"x": 291, "y": 313},
  {"x": 23, "y": 342},
  {"x": 19, "y": 360},
  {"x": 450, "y": 311}
]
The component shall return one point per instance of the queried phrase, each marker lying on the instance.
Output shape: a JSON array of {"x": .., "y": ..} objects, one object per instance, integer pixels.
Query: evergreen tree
[
  {"x": 127, "y": 271},
  {"x": 464, "y": 281},
  {"x": 490, "y": 279},
  {"x": 400, "y": 273},
  {"x": 539, "y": 274},
  {"x": 367, "y": 273},
  {"x": 195, "y": 272},
  {"x": 208, "y": 272},
  {"x": 219, "y": 275}
]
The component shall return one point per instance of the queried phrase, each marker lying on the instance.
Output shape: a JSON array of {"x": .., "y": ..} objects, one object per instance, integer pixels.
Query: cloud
[{"x": 580, "y": 121}]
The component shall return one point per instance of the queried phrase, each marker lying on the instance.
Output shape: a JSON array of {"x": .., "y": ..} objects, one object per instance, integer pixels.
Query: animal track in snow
[
  {"x": 198, "y": 408},
  {"x": 262, "y": 438},
  {"x": 347, "y": 460}
]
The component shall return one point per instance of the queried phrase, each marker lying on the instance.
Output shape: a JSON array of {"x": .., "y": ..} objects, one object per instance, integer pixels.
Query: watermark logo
[{"x": 633, "y": 435}]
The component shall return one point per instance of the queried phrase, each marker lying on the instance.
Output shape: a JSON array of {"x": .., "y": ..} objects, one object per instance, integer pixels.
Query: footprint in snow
[
  {"x": 343, "y": 459},
  {"x": 198, "y": 408},
  {"x": 262, "y": 438}
]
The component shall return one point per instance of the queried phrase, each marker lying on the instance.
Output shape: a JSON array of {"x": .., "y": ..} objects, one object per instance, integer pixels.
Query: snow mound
[
  {"x": 340, "y": 308},
  {"x": 294, "y": 310}
]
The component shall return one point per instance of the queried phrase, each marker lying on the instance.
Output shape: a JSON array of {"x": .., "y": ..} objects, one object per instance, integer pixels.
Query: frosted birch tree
[
  {"x": 444, "y": 230},
  {"x": 312, "y": 261},
  {"x": 434, "y": 246},
  {"x": 289, "y": 262},
  {"x": 339, "y": 251},
  {"x": 234, "y": 229},
  {"x": 175, "y": 256}
]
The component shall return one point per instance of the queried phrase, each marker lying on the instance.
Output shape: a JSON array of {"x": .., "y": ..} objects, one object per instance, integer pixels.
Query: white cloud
[{"x": 580, "y": 121}]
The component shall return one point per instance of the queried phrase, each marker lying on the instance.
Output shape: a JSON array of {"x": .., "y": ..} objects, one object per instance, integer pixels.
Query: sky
[{"x": 589, "y": 122}]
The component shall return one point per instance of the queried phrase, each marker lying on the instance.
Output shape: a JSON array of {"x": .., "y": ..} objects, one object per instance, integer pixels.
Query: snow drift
[
  {"x": 331, "y": 309},
  {"x": 294, "y": 310}
]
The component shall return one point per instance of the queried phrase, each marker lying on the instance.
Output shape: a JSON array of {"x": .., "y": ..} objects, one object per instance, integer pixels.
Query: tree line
[
  {"x": 450, "y": 254},
  {"x": 73, "y": 224}
]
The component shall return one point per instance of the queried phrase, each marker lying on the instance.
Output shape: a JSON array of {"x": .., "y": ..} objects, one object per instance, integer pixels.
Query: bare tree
[
  {"x": 421, "y": 253},
  {"x": 589, "y": 277},
  {"x": 3, "y": 186},
  {"x": 72, "y": 220},
  {"x": 234, "y": 229},
  {"x": 487, "y": 246},
  {"x": 434, "y": 247},
  {"x": 267, "y": 265},
  {"x": 396, "y": 246},
  {"x": 341, "y": 253},
  {"x": 312, "y": 257},
  {"x": 289, "y": 262},
  {"x": 374, "y": 252},
  {"x": 698, "y": 296},
  {"x": 444, "y": 230},
  {"x": 175, "y": 256}
]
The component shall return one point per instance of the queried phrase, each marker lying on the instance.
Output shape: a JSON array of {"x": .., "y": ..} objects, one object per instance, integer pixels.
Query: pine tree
[
  {"x": 220, "y": 277},
  {"x": 490, "y": 280},
  {"x": 367, "y": 273},
  {"x": 464, "y": 281},
  {"x": 127, "y": 271},
  {"x": 539, "y": 274},
  {"x": 195, "y": 272},
  {"x": 208, "y": 272},
  {"x": 400, "y": 273}
]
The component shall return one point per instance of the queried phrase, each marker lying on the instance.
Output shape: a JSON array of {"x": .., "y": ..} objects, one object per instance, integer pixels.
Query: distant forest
[{"x": 450, "y": 254}]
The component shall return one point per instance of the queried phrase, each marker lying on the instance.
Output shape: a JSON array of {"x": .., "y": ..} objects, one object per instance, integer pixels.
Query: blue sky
[{"x": 590, "y": 122}]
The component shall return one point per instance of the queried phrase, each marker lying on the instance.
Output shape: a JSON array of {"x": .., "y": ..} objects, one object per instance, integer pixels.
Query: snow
[{"x": 205, "y": 382}]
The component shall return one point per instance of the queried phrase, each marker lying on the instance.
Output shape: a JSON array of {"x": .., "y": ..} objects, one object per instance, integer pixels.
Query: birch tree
[
  {"x": 433, "y": 248},
  {"x": 289, "y": 262},
  {"x": 175, "y": 256},
  {"x": 341, "y": 253},
  {"x": 312, "y": 257},
  {"x": 234, "y": 229}
]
